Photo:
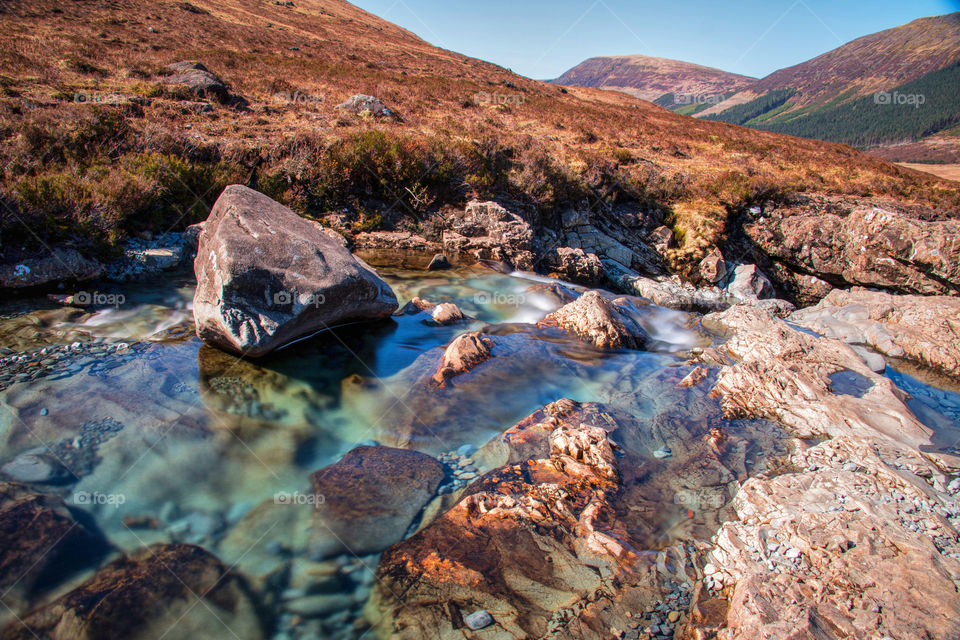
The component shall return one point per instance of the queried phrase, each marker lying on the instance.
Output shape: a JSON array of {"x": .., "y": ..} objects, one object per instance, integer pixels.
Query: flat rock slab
[{"x": 266, "y": 277}]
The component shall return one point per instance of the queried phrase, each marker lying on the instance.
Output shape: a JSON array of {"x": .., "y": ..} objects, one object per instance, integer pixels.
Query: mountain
[
  {"x": 101, "y": 140},
  {"x": 896, "y": 85},
  {"x": 681, "y": 86}
]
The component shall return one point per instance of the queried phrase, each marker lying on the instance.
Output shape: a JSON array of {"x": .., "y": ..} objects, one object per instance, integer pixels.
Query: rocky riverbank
[{"x": 757, "y": 471}]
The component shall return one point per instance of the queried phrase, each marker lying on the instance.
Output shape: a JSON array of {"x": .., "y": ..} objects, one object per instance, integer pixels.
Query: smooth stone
[
  {"x": 466, "y": 451},
  {"x": 36, "y": 468},
  {"x": 478, "y": 620},
  {"x": 318, "y": 606}
]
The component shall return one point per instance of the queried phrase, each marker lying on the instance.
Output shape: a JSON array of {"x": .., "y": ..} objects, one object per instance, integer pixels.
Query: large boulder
[
  {"x": 869, "y": 246},
  {"x": 161, "y": 591},
  {"x": 199, "y": 80},
  {"x": 368, "y": 500},
  {"x": 266, "y": 277}
]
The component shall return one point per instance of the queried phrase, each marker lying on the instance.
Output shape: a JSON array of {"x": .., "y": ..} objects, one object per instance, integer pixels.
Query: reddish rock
[{"x": 463, "y": 354}]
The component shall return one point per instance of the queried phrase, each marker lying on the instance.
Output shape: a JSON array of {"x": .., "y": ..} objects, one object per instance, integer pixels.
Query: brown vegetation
[{"x": 94, "y": 148}]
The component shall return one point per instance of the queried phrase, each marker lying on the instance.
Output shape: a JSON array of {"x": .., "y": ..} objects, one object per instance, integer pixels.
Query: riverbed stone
[
  {"x": 370, "y": 498},
  {"x": 159, "y": 591}
]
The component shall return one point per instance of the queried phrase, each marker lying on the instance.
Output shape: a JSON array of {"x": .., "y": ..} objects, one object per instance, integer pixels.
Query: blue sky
[{"x": 541, "y": 39}]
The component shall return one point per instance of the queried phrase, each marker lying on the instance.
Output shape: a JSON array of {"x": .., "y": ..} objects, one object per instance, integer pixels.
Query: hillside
[
  {"x": 98, "y": 145},
  {"x": 681, "y": 86},
  {"x": 891, "y": 86}
]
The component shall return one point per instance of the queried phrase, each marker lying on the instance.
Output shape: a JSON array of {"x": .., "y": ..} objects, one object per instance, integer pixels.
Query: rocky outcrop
[
  {"x": 816, "y": 387},
  {"x": 266, "y": 277},
  {"x": 713, "y": 269},
  {"x": 604, "y": 323},
  {"x": 749, "y": 284},
  {"x": 368, "y": 500},
  {"x": 923, "y": 329},
  {"x": 620, "y": 238},
  {"x": 394, "y": 240},
  {"x": 39, "y": 540},
  {"x": 525, "y": 540},
  {"x": 363, "y": 104},
  {"x": 487, "y": 231},
  {"x": 62, "y": 264},
  {"x": 462, "y": 355},
  {"x": 574, "y": 265},
  {"x": 870, "y": 247},
  {"x": 859, "y": 542},
  {"x": 163, "y": 590}
]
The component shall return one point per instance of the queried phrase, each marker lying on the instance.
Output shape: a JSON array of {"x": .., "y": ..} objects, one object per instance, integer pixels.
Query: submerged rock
[
  {"x": 923, "y": 329},
  {"x": 527, "y": 538},
  {"x": 39, "y": 541},
  {"x": 266, "y": 277},
  {"x": 368, "y": 500},
  {"x": 599, "y": 321},
  {"x": 162, "y": 590}
]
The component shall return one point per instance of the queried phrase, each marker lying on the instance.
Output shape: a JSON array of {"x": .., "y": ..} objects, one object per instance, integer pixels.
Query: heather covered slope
[
  {"x": 680, "y": 86},
  {"x": 99, "y": 144}
]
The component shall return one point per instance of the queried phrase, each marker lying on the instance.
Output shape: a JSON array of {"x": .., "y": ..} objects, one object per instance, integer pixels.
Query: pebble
[
  {"x": 663, "y": 452},
  {"x": 851, "y": 466},
  {"x": 673, "y": 616},
  {"x": 478, "y": 620},
  {"x": 792, "y": 553}
]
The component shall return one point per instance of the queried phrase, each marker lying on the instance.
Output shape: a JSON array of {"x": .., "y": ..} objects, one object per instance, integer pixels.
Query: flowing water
[{"x": 120, "y": 409}]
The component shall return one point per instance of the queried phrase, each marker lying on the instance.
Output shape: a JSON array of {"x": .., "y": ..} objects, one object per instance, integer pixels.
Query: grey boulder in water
[{"x": 267, "y": 277}]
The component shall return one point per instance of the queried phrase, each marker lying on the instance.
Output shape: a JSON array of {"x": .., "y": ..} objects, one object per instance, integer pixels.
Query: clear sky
[{"x": 542, "y": 39}]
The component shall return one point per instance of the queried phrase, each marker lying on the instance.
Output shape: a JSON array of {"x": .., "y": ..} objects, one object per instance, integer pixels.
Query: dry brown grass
[{"x": 80, "y": 168}]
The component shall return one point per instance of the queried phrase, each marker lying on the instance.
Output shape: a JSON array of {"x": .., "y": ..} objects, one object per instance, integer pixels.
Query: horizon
[{"x": 542, "y": 42}]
